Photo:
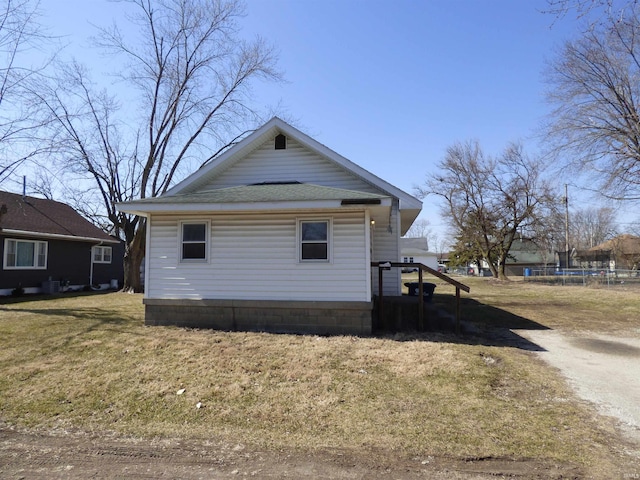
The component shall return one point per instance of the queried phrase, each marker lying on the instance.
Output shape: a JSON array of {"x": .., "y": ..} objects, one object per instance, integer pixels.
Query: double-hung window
[
  {"x": 314, "y": 240},
  {"x": 25, "y": 254},
  {"x": 101, "y": 254},
  {"x": 194, "y": 241}
]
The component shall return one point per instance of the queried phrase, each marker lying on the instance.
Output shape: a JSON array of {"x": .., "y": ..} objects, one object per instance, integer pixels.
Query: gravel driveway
[{"x": 603, "y": 369}]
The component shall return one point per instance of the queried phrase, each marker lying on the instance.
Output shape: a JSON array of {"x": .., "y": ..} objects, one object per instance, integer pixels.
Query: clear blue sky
[{"x": 391, "y": 84}]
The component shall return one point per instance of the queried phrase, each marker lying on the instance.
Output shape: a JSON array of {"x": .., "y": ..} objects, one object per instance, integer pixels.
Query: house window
[
  {"x": 193, "y": 241},
  {"x": 25, "y": 254},
  {"x": 314, "y": 240},
  {"x": 101, "y": 254},
  {"x": 280, "y": 142}
]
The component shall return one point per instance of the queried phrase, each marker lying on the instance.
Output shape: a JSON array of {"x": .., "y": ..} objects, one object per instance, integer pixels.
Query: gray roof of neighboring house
[
  {"x": 46, "y": 217},
  {"x": 525, "y": 251}
]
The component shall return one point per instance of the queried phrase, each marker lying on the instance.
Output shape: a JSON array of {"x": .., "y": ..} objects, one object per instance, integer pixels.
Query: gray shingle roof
[{"x": 271, "y": 192}]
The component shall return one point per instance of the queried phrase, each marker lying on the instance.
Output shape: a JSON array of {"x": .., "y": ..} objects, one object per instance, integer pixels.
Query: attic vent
[
  {"x": 281, "y": 142},
  {"x": 283, "y": 182}
]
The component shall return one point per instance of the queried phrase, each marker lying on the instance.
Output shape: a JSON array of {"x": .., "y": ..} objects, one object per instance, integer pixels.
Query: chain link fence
[{"x": 584, "y": 277}]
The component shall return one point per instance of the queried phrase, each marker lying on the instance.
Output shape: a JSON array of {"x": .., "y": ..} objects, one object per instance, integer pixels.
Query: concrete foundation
[{"x": 321, "y": 318}]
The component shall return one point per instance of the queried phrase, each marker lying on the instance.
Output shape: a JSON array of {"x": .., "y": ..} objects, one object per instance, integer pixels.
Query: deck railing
[{"x": 382, "y": 266}]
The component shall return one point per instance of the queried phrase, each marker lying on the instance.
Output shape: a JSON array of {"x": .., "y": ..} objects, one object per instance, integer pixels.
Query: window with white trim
[
  {"x": 25, "y": 254},
  {"x": 101, "y": 254},
  {"x": 194, "y": 241},
  {"x": 314, "y": 240}
]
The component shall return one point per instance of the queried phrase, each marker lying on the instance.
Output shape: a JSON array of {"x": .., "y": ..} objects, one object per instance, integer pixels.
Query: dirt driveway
[
  {"x": 602, "y": 369},
  {"x": 29, "y": 455}
]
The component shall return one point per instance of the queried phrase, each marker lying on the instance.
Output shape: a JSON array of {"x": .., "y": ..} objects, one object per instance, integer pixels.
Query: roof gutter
[
  {"x": 144, "y": 209},
  {"x": 55, "y": 236}
]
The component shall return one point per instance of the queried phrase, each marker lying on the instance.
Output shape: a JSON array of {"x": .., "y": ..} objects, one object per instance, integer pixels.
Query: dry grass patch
[
  {"x": 89, "y": 363},
  {"x": 518, "y": 304}
]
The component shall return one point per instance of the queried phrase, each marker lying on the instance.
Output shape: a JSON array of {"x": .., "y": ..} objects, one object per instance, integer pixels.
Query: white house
[
  {"x": 276, "y": 234},
  {"x": 416, "y": 250}
]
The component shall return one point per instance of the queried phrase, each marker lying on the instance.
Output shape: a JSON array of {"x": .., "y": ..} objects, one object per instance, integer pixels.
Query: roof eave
[
  {"x": 56, "y": 236},
  {"x": 144, "y": 209}
]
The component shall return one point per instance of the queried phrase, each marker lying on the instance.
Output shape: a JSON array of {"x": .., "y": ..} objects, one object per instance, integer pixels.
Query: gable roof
[
  {"x": 40, "y": 217},
  {"x": 271, "y": 129},
  {"x": 409, "y": 205}
]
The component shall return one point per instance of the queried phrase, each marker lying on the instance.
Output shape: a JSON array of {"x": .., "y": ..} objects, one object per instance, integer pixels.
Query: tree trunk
[
  {"x": 133, "y": 256},
  {"x": 502, "y": 274}
]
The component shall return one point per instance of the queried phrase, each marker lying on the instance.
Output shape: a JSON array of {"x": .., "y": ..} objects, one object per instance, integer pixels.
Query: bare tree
[
  {"x": 489, "y": 201},
  {"x": 193, "y": 75},
  {"x": 20, "y": 32},
  {"x": 594, "y": 89},
  {"x": 421, "y": 228},
  {"x": 592, "y": 226},
  {"x": 597, "y": 10}
]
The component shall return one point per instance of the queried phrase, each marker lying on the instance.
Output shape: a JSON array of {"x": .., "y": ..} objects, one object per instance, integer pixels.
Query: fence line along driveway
[{"x": 584, "y": 277}]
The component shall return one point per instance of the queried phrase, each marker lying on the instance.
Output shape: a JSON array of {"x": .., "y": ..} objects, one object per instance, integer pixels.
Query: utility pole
[{"x": 566, "y": 222}]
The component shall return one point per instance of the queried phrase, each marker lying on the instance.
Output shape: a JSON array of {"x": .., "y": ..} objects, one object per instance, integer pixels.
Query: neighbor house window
[
  {"x": 101, "y": 254},
  {"x": 194, "y": 240},
  {"x": 314, "y": 240},
  {"x": 25, "y": 254}
]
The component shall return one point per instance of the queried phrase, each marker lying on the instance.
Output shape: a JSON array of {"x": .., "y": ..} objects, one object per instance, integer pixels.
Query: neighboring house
[
  {"x": 526, "y": 255},
  {"x": 416, "y": 250},
  {"x": 46, "y": 246},
  {"x": 276, "y": 234},
  {"x": 621, "y": 252}
]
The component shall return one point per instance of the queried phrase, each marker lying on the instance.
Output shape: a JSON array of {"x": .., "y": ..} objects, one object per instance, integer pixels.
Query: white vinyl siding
[
  {"x": 295, "y": 163},
  {"x": 255, "y": 257},
  {"x": 386, "y": 248}
]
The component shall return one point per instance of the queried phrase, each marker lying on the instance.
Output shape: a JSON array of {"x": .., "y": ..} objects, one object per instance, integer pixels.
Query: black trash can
[{"x": 427, "y": 290}]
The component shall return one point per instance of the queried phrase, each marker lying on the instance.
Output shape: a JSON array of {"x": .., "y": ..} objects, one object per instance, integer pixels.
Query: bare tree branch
[
  {"x": 490, "y": 201},
  {"x": 594, "y": 89},
  {"x": 193, "y": 77}
]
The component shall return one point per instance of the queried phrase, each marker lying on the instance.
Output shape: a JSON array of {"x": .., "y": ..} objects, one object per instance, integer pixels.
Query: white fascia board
[
  {"x": 54, "y": 236},
  {"x": 145, "y": 209}
]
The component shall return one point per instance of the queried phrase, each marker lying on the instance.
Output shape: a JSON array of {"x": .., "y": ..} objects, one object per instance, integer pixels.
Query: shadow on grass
[
  {"x": 480, "y": 324},
  {"x": 29, "y": 297},
  {"x": 86, "y": 318}
]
